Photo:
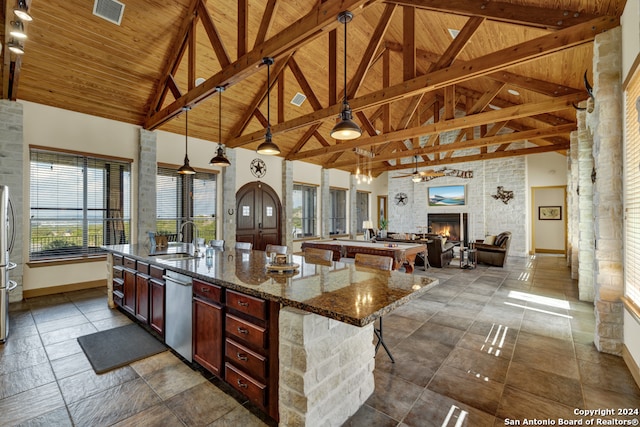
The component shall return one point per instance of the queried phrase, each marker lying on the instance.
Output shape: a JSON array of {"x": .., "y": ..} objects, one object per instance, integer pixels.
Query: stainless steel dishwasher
[{"x": 177, "y": 333}]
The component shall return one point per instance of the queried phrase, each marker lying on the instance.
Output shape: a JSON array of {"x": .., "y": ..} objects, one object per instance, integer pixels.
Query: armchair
[
  {"x": 439, "y": 254},
  {"x": 496, "y": 253}
]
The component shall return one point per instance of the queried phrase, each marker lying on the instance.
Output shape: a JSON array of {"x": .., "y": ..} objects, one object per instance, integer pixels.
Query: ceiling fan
[{"x": 416, "y": 176}]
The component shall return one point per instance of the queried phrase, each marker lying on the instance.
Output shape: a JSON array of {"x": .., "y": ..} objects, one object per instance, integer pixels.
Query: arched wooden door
[{"x": 258, "y": 208}]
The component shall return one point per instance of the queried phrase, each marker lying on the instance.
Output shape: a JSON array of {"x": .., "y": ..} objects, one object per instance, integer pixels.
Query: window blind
[
  {"x": 304, "y": 210},
  {"x": 77, "y": 204},
  {"x": 362, "y": 210},
  {"x": 338, "y": 211},
  {"x": 186, "y": 197},
  {"x": 632, "y": 191}
]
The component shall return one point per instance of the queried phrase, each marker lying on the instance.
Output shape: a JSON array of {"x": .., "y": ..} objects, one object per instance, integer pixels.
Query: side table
[{"x": 468, "y": 257}]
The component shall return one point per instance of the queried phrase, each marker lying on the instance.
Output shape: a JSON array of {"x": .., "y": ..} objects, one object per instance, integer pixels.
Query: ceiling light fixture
[
  {"x": 346, "y": 128},
  {"x": 22, "y": 11},
  {"x": 416, "y": 175},
  {"x": 268, "y": 147},
  {"x": 220, "y": 159},
  {"x": 186, "y": 169},
  {"x": 17, "y": 29},
  {"x": 16, "y": 47}
]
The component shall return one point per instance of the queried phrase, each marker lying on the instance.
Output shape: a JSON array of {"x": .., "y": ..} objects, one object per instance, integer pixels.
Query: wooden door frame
[
  {"x": 382, "y": 207},
  {"x": 534, "y": 213},
  {"x": 261, "y": 186}
]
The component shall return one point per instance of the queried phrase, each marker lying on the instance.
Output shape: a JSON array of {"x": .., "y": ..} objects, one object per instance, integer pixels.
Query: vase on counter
[{"x": 383, "y": 234}]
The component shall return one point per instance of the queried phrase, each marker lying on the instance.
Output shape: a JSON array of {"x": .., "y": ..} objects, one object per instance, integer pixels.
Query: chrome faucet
[{"x": 196, "y": 251}]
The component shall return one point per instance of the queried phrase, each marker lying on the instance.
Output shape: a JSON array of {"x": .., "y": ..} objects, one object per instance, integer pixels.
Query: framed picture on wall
[
  {"x": 549, "y": 212},
  {"x": 448, "y": 195}
]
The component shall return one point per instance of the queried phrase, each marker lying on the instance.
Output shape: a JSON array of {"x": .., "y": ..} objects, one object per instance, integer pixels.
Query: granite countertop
[{"x": 339, "y": 291}]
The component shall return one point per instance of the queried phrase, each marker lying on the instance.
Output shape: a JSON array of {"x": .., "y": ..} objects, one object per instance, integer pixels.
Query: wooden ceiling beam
[
  {"x": 241, "y": 124},
  {"x": 322, "y": 18},
  {"x": 305, "y": 138},
  {"x": 242, "y": 42},
  {"x": 369, "y": 55},
  {"x": 214, "y": 36},
  {"x": 265, "y": 23},
  {"x": 514, "y": 112},
  {"x": 408, "y": 43},
  {"x": 485, "y": 141},
  {"x": 480, "y": 157},
  {"x": 456, "y": 73},
  {"x": 535, "y": 85},
  {"x": 531, "y": 16}
]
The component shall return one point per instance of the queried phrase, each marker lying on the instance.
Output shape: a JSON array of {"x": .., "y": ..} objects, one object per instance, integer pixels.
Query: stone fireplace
[{"x": 452, "y": 225}]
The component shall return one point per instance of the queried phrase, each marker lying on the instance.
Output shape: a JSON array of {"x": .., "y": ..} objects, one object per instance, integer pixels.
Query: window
[
  {"x": 338, "y": 211},
  {"x": 186, "y": 197},
  {"x": 77, "y": 203},
  {"x": 304, "y": 210},
  {"x": 632, "y": 191},
  {"x": 362, "y": 210}
]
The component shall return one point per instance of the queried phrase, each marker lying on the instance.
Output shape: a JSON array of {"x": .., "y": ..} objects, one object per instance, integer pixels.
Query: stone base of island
[{"x": 298, "y": 344}]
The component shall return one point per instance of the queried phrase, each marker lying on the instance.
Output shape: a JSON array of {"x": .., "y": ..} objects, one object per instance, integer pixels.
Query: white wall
[{"x": 630, "y": 22}]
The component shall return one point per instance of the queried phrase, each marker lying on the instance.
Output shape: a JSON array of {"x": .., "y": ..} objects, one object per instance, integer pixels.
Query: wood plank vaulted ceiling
[{"x": 512, "y": 73}]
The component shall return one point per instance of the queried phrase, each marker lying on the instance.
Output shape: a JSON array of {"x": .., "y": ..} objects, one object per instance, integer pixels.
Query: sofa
[
  {"x": 494, "y": 249},
  {"x": 439, "y": 251}
]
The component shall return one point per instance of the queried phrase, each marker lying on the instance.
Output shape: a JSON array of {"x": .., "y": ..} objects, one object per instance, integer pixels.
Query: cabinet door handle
[
  {"x": 241, "y": 384},
  {"x": 243, "y": 304},
  {"x": 242, "y": 357},
  {"x": 204, "y": 290},
  {"x": 243, "y": 331}
]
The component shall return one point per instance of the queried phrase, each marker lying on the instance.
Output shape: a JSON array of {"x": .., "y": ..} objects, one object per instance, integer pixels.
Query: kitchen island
[{"x": 313, "y": 361}]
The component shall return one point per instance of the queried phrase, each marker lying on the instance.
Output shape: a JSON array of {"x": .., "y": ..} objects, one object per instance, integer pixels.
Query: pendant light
[
  {"x": 346, "y": 128},
  {"x": 186, "y": 169},
  {"x": 268, "y": 147},
  {"x": 220, "y": 159},
  {"x": 22, "y": 11}
]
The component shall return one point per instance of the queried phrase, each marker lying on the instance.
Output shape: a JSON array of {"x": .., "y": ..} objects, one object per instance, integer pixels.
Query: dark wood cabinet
[
  {"x": 251, "y": 349},
  {"x": 142, "y": 298},
  {"x": 129, "y": 291},
  {"x": 208, "y": 330},
  {"x": 156, "y": 308}
]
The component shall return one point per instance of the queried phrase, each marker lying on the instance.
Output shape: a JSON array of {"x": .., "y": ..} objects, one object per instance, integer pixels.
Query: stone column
[
  {"x": 572, "y": 206},
  {"x": 585, "y": 202},
  {"x": 326, "y": 369},
  {"x": 228, "y": 222},
  {"x": 147, "y": 173},
  {"x": 287, "y": 203},
  {"x": 11, "y": 174},
  {"x": 353, "y": 202},
  {"x": 325, "y": 204},
  {"x": 607, "y": 124}
]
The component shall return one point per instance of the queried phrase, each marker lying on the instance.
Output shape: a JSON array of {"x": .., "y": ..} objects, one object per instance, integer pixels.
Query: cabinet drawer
[
  {"x": 250, "y": 387},
  {"x": 248, "y": 332},
  {"x": 142, "y": 267},
  {"x": 249, "y": 361},
  {"x": 207, "y": 290},
  {"x": 252, "y": 306},
  {"x": 130, "y": 263},
  {"x": 117, "y": 298},
  {"x": 117, "y": 272},
  {"x": 118, "y": 285},
  {"x": 117, "y": 259},
  {"x": 156, "y": 272}
]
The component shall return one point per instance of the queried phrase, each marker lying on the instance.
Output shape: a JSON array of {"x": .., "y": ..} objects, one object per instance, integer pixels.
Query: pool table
[{"x": 402, "y": 253}]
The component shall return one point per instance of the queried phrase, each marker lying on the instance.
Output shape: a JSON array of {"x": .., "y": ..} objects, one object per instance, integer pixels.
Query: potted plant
[
  {"x": 383, "y": 227},
  {"x": 162, "y": 240}
]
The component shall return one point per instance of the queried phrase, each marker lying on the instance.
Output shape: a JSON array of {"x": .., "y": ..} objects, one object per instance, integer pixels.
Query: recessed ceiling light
[
  {"x": 199, "y": 81},
  {"x": 454, "y": 33},
  {"x": 514, "y": 92},
  {"x": 494, "y": 107}
]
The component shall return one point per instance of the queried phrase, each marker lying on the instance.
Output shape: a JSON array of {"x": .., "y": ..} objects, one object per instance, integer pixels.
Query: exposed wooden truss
[{"x": 407, "y": 87}]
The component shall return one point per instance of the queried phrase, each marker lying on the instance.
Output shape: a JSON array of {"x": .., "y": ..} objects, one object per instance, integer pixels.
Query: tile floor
[{"x": 487, "y": 345}]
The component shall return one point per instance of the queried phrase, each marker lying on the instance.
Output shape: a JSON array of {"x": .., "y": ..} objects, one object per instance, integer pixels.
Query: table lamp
[{"x": 367, "y": 226}]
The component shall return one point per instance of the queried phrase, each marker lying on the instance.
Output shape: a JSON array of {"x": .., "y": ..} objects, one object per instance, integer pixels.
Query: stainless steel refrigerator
[{"x": 6, "y": 243}]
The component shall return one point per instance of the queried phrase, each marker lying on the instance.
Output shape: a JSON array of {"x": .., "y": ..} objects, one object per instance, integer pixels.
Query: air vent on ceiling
[
  {"x": 453, "y": 33},
  {"x": 111, "y": 10},
  {"x": 298, "y": 99}
]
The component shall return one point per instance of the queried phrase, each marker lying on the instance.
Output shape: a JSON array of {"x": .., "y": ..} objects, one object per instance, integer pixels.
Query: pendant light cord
[
  {"x": 345, "y": 60},
  {"x": 186, "y": 131},
  {"x": 268, "y": 96},
  {"x": 220, "y": 117}
]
